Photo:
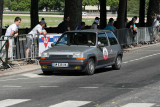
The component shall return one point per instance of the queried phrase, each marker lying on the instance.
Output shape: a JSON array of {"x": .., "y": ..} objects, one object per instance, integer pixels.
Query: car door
[
  {"x": 113, "y": 45},
  {"x": 103, "y": 49}
]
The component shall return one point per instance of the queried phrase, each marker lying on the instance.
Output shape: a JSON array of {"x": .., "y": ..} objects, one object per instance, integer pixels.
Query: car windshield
[{"x": 77, "y": 38}]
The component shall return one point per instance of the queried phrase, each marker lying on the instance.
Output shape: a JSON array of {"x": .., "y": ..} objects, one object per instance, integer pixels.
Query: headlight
[
  {"x": 45, "y": 55},
  {"x": 77, "y": 55}
]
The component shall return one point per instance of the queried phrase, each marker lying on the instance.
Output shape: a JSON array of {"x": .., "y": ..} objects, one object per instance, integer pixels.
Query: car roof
[{"x": 91, "y": 30}]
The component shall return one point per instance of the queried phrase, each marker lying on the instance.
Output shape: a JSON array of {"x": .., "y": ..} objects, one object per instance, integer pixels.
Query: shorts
[{"x": 29, "y": 43}]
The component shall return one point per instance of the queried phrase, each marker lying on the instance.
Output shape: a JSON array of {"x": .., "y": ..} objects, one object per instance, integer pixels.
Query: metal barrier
[
  {"x": 3, "y": 52},
  {"x": 144, "y": 35},
  {"x": 20, "y": 44}
]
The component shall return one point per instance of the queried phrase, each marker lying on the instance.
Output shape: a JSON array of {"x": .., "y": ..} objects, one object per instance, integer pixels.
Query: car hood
[{"x": 69, "y": 49}]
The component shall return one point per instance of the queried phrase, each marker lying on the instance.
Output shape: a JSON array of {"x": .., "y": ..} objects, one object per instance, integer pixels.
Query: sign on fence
[{"x": 46, "y": 41}]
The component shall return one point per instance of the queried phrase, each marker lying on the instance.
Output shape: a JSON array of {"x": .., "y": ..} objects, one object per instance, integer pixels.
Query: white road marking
[
  {"x": 89, "y": 87},
  {"x": 14, "y": 79},
  {"x": 141, "y": 58},
  {"x": 71, "y": 104},
  {"x": 139, "y": 105},
  {"x": 31, "y": 75},
  {"x": 49, "y": 86},
  {"x": 11, "y": 102},
  {"x": 11, "y": 86}
]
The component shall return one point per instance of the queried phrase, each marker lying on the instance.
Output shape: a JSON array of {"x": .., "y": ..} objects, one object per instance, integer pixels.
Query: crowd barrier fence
[{"x": 144, "y": 35}]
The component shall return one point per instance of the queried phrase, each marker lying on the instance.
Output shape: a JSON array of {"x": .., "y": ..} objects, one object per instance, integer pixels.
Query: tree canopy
[{"x": 24, "y": 5}]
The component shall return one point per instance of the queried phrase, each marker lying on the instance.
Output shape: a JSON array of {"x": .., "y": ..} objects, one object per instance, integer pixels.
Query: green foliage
[
  {"x": 113, "y": 3},
  {"x": 24, "y": 5},
  {"x": 51, "y": 4},
  {"x": 21, "y": 5},
  {"x": 90, "y": 2},
  {"x": 133, "y": 6}
]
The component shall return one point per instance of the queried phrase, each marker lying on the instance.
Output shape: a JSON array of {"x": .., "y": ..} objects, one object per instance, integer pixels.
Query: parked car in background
[{"x": 83, "y": 51}]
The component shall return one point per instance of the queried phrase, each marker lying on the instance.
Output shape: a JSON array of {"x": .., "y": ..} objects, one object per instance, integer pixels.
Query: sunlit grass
[{"x": 51, "y": 21}]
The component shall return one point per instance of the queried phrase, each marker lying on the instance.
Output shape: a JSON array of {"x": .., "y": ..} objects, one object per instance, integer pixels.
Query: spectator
[
  {"x": 64, "y": 26},
  {"x": 95, "y": 23},
  {"x": 38, "y": 29},
  {"x": 131, "y": 25},
  {"x": 43, "y": 21},
  {"x": 135, "y": 17},
  {"x": 81, "y": 27},
  {"x": 156, "y": 22},
  {"x": 12, "y": 30},
  {"x": 115, "y": 23},
  {"x": 110, "y": 25}
]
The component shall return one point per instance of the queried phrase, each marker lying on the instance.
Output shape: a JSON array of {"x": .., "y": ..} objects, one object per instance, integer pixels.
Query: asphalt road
[{"x": 137, "y": 84}]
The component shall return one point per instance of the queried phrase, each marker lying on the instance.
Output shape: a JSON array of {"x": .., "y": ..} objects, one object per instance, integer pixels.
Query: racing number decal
[
  {"x": 105, "y": 53},
  {"x": 45, "y": 41}
]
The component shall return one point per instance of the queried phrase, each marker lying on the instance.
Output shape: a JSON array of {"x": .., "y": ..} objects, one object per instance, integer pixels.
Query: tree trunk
[
  {"x": 125, "y": 12},
  {"x": 34, "y": 13},
  {"x": 142, "y": 13},
  {"x": 73, "y": 9},
  {"x": 121, "y": 14},
  {"x": 1, "y": 16},
  {"x": 102, "y": 14},
  {"x": 153, "y": 10}
]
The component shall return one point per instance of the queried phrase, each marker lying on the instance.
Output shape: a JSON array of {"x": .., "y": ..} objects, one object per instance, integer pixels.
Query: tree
[
  {"x": 1, "y": 14},
  {"x": 142, "y": 13},
  {"x": 133, "y": 6},
  {"x": 7, "y": 3},
  {"x": 73, "y": 9},
  {"x": 121, "y": 14},
  {"x": 34, "y": 13},
  {"x": 85, "y": 3},
  {"x": 102, "y": 14},
  {"x": 112, "y": 3},
  {"x": 153, "y": 10},
  {"x": 18, "y": 5},
  {"x": 50, "y": 4}
]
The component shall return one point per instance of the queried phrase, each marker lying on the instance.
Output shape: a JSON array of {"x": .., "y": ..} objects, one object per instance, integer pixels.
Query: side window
[
  {"x": 112, "y": 38},
  {"x": 102, "y": 39}
]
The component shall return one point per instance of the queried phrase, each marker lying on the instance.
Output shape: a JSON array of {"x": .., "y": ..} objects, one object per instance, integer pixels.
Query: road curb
[
  {"x": 141, "y": 47},
  {"x": 19, "y": 72}
]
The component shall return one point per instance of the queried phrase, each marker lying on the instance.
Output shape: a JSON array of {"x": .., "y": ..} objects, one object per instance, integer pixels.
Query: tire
[
  {"x": 118, "y": 63},
  {"x": 90, "y": 68},
  {"x": 45, "y": 72}
]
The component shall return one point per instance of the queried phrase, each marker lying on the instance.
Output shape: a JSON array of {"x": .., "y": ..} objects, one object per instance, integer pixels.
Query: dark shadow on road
[{"x": 77, "y": 73}]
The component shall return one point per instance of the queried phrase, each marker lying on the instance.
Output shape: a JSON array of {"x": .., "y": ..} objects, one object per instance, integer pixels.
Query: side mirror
[{"x": 100, "y": 44}]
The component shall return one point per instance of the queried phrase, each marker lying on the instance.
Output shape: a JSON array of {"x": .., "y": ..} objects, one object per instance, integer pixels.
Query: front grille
[{"x": 62, "y": 57}]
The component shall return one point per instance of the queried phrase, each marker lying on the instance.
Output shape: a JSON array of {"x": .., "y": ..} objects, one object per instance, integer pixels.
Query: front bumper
[{"x": 73, "y": 65}]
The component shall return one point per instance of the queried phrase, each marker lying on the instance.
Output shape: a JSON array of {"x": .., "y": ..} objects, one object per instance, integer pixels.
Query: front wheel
[
  {"x": 90, "y": 67},
  {"x": 118, "y": 63}
]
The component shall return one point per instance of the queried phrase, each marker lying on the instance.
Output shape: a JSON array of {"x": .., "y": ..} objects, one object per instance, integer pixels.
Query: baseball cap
[
  {"x": 96, "y": 21},
  {"x": 42, "y": 22}
]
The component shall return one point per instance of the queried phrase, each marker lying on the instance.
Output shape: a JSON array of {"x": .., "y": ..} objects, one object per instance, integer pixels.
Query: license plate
[{"x": 59, "y": 64}]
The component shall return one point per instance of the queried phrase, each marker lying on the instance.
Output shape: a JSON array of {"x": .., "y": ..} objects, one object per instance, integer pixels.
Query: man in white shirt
[
  {"x": 37, "y": 30},
  {"x": 11, "y": 33},
  {"x": 12, "y": 30}
]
